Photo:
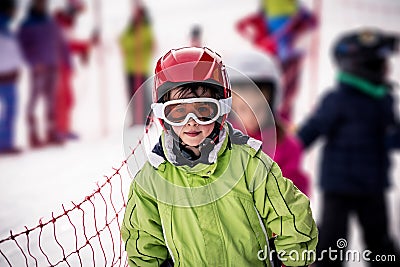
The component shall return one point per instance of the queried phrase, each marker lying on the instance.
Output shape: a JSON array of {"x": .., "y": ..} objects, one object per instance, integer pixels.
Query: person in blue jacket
[
  {"x": 355, "y": 118},
  {"x": 10, "y": 64}
]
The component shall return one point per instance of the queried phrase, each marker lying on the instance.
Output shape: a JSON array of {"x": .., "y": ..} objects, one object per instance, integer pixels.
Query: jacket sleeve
[
  {"x": 393, "y": 137},
  {"x": 393, "y": 131},
  {"x": 286, "y": 213},
  {"x": 142, "y": 230},
  {"x": 63, "y": 49},
  {"x": 322, "y": 121},
  {"x": 291, "y": 166}
]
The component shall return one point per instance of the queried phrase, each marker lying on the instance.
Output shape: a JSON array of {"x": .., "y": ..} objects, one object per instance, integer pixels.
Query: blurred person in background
[
  {"x": 43, "y": 47},
  {"x": 66, "y": 18},
  {"x": 355, "y": 119},
  {"x": 195, "y": 36},
  {"x": 137, "y": 45},
  {"x": 250, "y": 106},
  {"x": 275, "y": 28},
  {"x": 286, "y": 20},
  {"x": 10, "y": 63}
]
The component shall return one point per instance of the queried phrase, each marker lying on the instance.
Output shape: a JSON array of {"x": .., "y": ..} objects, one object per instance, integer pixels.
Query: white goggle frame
[{"x": 224, "y": 107}]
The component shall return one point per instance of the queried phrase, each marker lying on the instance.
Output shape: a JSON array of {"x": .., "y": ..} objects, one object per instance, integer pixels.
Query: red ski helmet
[{"x": 190, "y": 65}]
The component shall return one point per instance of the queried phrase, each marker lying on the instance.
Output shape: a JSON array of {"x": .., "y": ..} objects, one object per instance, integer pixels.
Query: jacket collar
[
  {"x": 362, "y": 85},
  {"x": 210, "y": 151},
  {"x": 164, "y": 151}
]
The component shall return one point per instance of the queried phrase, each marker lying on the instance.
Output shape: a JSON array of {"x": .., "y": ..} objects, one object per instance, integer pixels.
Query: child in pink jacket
[{"x": 256, "y": 88}]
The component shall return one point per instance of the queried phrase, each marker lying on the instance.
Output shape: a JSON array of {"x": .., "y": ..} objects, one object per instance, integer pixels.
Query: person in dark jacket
[
  {"x": 355, "y": 119},
  {"x": 43, "y": 48}
]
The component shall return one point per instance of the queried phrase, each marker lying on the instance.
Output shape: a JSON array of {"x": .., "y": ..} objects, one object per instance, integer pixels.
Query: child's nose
[{"x": 191, "y": 122}]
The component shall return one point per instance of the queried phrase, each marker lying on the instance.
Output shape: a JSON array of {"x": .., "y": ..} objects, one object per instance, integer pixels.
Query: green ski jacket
[{"x": 217, "y": 214}]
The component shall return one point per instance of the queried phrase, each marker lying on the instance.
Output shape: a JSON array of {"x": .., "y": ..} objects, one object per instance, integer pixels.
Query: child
[
  {"x": 251, "y": 99},
  {"x": 355, "y": 119},
  {"x": 208, "y": 195}
]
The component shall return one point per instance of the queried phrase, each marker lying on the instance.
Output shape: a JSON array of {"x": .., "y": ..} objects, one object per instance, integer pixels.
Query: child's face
[
  {"x": 192, "y": 133},
  {"x": 249, "y": 108}
]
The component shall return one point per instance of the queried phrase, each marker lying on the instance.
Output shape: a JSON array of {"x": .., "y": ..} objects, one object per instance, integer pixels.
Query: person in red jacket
[
  {"x": 275, "y": 29},
  {"x": 66, "y": 19}
]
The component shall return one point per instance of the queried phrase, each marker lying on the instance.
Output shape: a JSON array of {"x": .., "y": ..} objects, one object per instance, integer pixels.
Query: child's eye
[
  {"x": 180, "y": 110},
  {"x": 203, "y": 109}
]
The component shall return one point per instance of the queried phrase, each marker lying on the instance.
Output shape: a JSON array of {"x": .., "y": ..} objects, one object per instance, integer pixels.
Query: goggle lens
[{"x": 204, "y": 111}]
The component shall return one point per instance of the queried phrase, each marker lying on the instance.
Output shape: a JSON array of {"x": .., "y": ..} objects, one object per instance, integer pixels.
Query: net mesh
[{"x": 81, "y": 234}]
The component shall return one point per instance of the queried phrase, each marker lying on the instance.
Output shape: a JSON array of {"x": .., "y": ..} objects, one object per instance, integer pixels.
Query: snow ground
[{"x": 34, "y": 184}]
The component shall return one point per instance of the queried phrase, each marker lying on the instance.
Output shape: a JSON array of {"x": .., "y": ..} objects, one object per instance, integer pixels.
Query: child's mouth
[{"x": 192, "y": 134}]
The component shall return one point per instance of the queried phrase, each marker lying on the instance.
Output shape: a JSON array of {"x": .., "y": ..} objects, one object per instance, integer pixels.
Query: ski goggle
[{"x": 203, "y": 110}]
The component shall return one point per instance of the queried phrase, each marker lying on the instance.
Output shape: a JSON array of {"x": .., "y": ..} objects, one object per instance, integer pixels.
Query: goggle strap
[
  {"x": 157, "y": 109},
  {"x": 225, "y": 105}
]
